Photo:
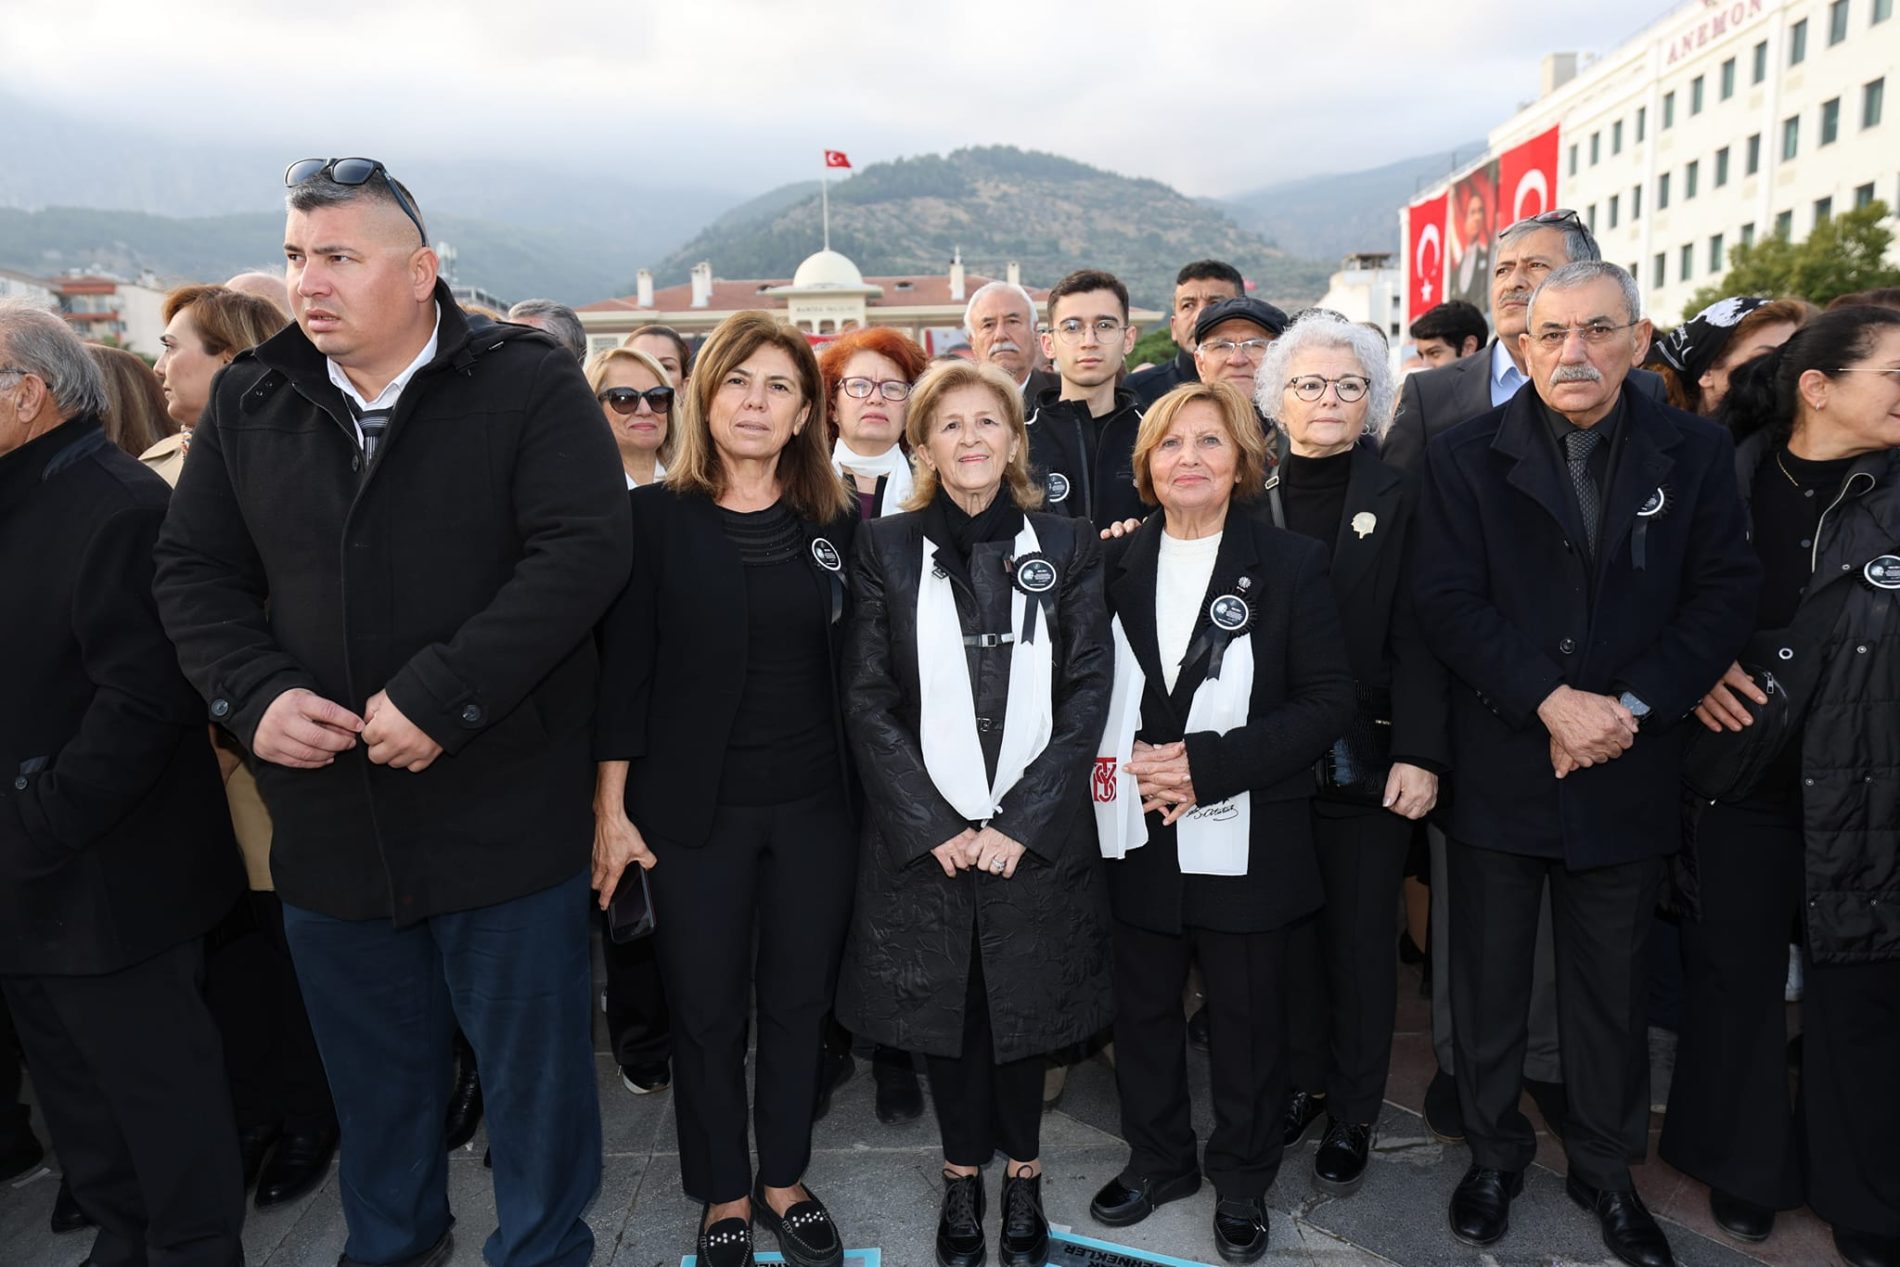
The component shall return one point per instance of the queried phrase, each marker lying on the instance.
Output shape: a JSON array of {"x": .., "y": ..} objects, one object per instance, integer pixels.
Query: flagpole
[{"x": 824, "y": 194}]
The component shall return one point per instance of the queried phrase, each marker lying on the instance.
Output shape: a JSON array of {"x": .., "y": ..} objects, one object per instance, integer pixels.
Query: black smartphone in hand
[{"x": 630, "y": 910}]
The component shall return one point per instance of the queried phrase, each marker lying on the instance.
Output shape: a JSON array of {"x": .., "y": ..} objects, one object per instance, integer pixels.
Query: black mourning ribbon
[{"x": 1213, "y": 640}]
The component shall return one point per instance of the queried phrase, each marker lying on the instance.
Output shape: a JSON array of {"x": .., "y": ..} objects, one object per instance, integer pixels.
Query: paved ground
[{"x": 881, "y": 1183}]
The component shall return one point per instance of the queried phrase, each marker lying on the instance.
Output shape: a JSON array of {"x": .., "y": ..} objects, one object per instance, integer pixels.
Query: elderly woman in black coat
[
  {"x": 977, "y": 673},
  {"x": 1230, "y": 680}
]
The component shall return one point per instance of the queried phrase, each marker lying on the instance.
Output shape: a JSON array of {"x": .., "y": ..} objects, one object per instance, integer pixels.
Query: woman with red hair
[{"x": 868, "y": 376}]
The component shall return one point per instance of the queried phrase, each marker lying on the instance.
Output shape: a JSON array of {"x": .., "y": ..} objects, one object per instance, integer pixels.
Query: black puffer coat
[{"x": 1043, "y": 933}]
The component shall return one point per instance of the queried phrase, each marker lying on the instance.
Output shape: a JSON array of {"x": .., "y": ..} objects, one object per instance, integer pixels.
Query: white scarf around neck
[{"x": 892, "y": 465}]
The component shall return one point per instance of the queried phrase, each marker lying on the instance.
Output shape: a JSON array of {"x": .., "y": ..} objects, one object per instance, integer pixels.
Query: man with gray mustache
[{"x": 1584, "y": 572}]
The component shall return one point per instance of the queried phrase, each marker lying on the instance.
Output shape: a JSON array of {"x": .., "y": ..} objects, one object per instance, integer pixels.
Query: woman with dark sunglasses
[
  {"x": 868, "y": 376},
  {"x": 636, "y": 399}
]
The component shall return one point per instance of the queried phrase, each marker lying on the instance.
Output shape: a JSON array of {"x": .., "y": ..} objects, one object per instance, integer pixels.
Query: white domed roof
[{"x": 827, "y": 269}]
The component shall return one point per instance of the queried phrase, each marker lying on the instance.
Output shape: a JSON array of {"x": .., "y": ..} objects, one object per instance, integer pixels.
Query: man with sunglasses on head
[
  {"x": 1082, "y": 431},
  {"x": 382, "y": 568},
  {"x": 1583, "y": 569}
]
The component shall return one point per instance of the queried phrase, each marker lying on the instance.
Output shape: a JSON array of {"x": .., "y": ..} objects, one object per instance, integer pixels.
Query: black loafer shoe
[
  {"x": 806, "y": 1235},
  {"x": 1240, "y": 1229},
  {"x": 960, "y": 1222},
  {"x": 253, "y": 1146},
  {"x": 465, "y": 1106},
  {"x": 727, "y": 1243},
  {"x": 1302, "y": 1110},
  {"x": 1629, "y": 1230},
  {"x": 646, "y": 1079},
  {"x": 67, "y": 1216},
  {"x": 1444, "y": 1115},
  {"x": 26, "y": 1153},
  {"x": 300, "y": 1163},
  {"x": 1553, "y": 1104},
  {"x": 1742, "y": 1219},
  {"x": 1125, "y": 1200},
  {"x": 1340, "y": 1165},
  {"x": 1025, "y": 1238},
  {"x": 1862, "y": 1249},
  {"x": 899, "y": 1098},
  {"x": 834, "y": 1071},
  {"x": 1481, "y": 1205}
]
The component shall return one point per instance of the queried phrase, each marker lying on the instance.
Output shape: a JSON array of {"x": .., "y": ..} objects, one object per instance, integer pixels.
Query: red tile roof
[{"x": 730, "y": 296}]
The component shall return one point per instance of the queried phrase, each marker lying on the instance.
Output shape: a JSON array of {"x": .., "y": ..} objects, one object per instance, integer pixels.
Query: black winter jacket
[
  {"x": 1043, "y": 933},
  {"x": 1103, "y": 491},
  {"x": 463, "y": 572}
]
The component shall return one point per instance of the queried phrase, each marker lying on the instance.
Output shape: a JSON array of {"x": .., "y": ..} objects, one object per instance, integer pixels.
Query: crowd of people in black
[{"x": 977, "y": 710}]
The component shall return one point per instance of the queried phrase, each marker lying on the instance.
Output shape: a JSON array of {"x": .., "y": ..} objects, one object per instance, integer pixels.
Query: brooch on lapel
[
  {"x": 826, "y": 555},
  {"x": 1034, "y": 576},
  {"x": 1056, "y": 485},
  {"x": 1883, "y": 573},
  {"x": 1363, "y": 523}
]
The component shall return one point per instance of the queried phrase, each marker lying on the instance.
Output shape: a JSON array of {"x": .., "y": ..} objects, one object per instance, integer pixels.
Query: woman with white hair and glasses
[{"x": 1327, "y": 387}]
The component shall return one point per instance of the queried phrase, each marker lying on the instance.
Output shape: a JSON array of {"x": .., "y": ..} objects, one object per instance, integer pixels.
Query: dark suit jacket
[
  {"x": 1512, "y": 604},
  {"x": 673, "y": 658},
  {"x": 1434, "y": 401},
  {"x": 1302, "y": 698}
]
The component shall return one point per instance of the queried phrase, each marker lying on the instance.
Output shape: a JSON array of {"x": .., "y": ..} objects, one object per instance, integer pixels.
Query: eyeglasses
[
  {"x": 1309, "y": 387},
  {"x": 625, "y": 401},
  {"x": 1252, "y": 349},
  {"x": 891, "y": 389},
  {"x": 14, "y": 369},
  {"x": 353, "y": 171},
  {"x": 1594, "y": 335},
  {"x": 1893, "y": 374},
  {"x": 1071, "y": 330}
]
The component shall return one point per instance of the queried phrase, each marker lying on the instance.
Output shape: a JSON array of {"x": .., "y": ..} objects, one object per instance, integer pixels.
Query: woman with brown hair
[
  {"x": 723, "y": 772},
  {"x": 134, "y": 418},
  {"x": 1696, "y": 358},
  {"x": 205, "y": 327}
]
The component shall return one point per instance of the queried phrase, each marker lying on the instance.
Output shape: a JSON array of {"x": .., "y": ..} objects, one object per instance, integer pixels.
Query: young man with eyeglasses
[
  {"x": 382, "y": 568},
  {"x": 1082, "y": 432},
  {"x": 1197, "y": 286}
]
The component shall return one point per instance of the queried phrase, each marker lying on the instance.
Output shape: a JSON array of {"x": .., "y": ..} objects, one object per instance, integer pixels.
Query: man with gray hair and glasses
[
  {"x": 1583, "y": 569},
  {"x": 558, "y": 320},
  {"x": 116, "y": 852}
]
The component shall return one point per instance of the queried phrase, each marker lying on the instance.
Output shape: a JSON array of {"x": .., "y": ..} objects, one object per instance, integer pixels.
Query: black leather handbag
[
  {"x": 1354, "y": 770},
  {"x": 1728, "y": 765}
]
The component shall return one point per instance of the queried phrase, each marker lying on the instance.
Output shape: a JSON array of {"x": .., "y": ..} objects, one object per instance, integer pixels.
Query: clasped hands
[
  {"x": 305, "y": 731},
  {"x": 1585, "y": 729},
  {"x": 1163, "y": 779},
  {"x": 982, "y": 850}
]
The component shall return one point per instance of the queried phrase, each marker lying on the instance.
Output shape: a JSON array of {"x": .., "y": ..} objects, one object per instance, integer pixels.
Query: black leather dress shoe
[
  {"x": 1240, "y": 1229},
  {"x": 727, "y": 1243},
  {"x": 960, "y": 1222},
  {"x": 1861, "y": 1249},
  {"x": 1553, "y": 1104},
  {"x": 1340, "y": 1165},
  {"x": 253, "y": 1146},
  {"x": 1444, "y": 1115},
  {"x": 465, "y": 1105},
  {"x": 835, "y": 1069},
  {"x": 1629, "y": 1230},
  {"x": 1742, "y": 1219},
  {"x": 300, "y": 1162},
  {"x": 25, "y": 1153},
  {"x": 1481, "y": 1204},
  {"x": 1302, "y": 1110},
  {"x": 1025, "y": 1238},
  {"x": 1126, "y": 1200},
  {"x": 899, "y": 1098},
  {"x": 806, "y": 1235},
  {"x": 67, "y": 1216}
]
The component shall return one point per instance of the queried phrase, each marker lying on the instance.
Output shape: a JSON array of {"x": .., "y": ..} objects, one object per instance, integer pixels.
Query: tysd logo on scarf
[{"x": 1105, "y": 782}]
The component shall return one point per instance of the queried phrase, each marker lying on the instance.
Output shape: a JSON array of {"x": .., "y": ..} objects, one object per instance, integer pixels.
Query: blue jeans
[{"x": 384, "y": 1003}]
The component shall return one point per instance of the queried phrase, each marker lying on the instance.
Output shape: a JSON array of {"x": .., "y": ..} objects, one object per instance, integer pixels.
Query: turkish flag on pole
[
  {"x": 1527, "y": 179},
  {"x": 1425, "y": 256},
  {"x": 836, "y": 158}
]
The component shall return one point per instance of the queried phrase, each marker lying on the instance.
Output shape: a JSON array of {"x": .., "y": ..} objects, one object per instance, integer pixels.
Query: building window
[
  {"x": 1662, "y": 192},
  {"x": 1669, "y": 111},
  {"x": 1784, "y": 224},
  {"x": 1728, "y": 79},
  {"x": 1616, "y": 137},
  {"x": 1636, "y": 270},
  {"x": 1798, "y": 43},
  {"x": 1596, "y": 147},
  {"x": 1690, "y": 178},
  {"x": 1642, "y": 123},
  {"x": 1863, "y": 195},
  {"x": 1759, "y": 71},
  {"x": 1616, "y": 205},
  {"x": 1721, "y": 167},
  {"x": 1573, "y": 160},
  {"x": 1636, "y": 202},
  {"x": 1871, "y": 99},
  {"x": 1830, "y": 121},
  {"x": 1754, "y": 155},
  {"x": 1883, "y": 9},
  {"x": 1715, "y": 254},
  {"x": 1661, "y": 269},
  {"x": 1790, "y": 137},
  {"x": 1695, "y": 96},
  {"x": 1748, "y": 234},
  {"x": 1823, "y": 211},
  {"x": 1836, "y": 22},
  {"x": 1688, "y": 262}
]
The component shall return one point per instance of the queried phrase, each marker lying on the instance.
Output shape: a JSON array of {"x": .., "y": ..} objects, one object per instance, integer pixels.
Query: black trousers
[
  {"x": 779, "y": 878},
  {"x": 1850, "y": 1099},
  {"x": 15, "y": 1128},
  {"x": 276, "y": 1074},
  {"x": 1600, "y": 924},
  {"x": 1245, "y": 975},
  {"x": 638, "y": 1024},
  {"x": 984, "y": 1107},
  {"x": 1342, "y": 964},
  {"x": 131, "y": 1082},
  {"x": 1731, "y": 1120}
]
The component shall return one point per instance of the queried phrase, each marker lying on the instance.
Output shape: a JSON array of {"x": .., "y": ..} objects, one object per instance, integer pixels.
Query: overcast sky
[{"x": 1211, "y": 96}]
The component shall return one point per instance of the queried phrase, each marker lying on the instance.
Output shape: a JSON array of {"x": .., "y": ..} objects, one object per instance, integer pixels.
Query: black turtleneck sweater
[
  {"x": 1785, "y": 503},
  {"x": 1313, "y": 495}
]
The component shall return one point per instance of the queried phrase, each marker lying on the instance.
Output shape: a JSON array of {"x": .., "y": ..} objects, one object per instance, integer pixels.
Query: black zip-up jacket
[
  {"x": 1060, "y": 452},
  {"x": 462, "y": 572}
]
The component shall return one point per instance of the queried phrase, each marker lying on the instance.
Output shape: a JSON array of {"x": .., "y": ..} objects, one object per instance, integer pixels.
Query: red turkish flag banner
[
  {"x": 1425, "y": 255},
  {"x": 1527, "y": 179},
  {"x": 836, "y": 158}
]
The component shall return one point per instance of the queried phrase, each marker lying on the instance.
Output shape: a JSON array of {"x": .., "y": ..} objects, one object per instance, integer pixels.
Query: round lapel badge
[
  {"x": 1035, "y": 574},
  {"x": 1883, "y": 572},
  {"x": 826, "y": 556},
  {"x": 1056, "y": 485},
  {"x": 1653, "y": 505},
  {"x": 1229, "y": 612}
]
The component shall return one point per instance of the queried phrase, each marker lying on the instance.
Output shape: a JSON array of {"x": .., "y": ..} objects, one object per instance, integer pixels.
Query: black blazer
[
  {"x": 115, "y": 840},
  {"x": 1432, "y": 402},
  {"x": 1370, "y": 582},
  {"x": 673, "y": 657},
  {"x": 1302, "y": 699},
  {"x": 1514, "y": 608}
]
